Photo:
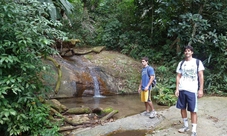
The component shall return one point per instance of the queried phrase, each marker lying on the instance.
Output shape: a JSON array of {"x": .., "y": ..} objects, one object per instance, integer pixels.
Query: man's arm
[
  {"x": 150, "y": 82},
  {"x": 139, "y": 89},
  {"x": 177, "y": 84},
  {"x": 201, "y": 82}
]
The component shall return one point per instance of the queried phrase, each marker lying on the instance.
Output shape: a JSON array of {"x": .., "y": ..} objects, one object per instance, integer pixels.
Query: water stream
[{"x": 126, "y": 104}]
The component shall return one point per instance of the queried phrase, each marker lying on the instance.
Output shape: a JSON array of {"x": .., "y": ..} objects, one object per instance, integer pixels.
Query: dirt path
[{"x": 212, "y": 119}]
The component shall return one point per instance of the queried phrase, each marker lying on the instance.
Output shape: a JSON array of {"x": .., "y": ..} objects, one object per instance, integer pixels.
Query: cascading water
[{"x": 96, "y": 84}]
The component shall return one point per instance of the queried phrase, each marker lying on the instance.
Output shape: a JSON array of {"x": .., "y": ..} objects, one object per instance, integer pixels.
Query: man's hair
[
  {"x": 188, "y": 47},
  {"x": 145, "y": 58}
]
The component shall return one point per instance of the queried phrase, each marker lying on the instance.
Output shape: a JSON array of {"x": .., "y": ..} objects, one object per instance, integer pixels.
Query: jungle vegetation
[{"x": 158, "y": 29}]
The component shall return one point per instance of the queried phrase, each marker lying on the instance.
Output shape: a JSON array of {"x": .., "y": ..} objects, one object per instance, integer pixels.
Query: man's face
[
  {"x": 144, "y": 62},
  {"x": 188, "y": 53}
]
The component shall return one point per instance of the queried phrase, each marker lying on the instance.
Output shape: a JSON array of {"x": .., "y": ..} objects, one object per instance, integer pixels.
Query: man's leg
[
  {"x": 181, "y": 104},
  {"x": 194, "y": 117},
  {"x": 153, "y": 112},
  {"x": 194, "y": 121},
  {"x": 149, "y": 101},
  {"x": 144, "y": 99},
  {"x": 146, "y": 106},
  {"x": 184, "y": 117},
  {"x": 185, "y": 120},
  {"x": 183, "y": 113},
  {"x": 192, "y": 107},
  {"x": 150, "y": 104}
]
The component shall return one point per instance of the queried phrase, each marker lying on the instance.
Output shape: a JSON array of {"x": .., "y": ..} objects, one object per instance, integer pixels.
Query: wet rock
[{"x": 115, "y": 74}]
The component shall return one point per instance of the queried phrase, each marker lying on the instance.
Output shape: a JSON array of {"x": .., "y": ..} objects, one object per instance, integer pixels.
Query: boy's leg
[
  {"x": 183, "y": 113},
  {"x": 150, "y": 104},
  {"x": 153, "y": 112},
  {"x": 192, "y": 107},
  {"x": 194, "y": 121},
  {"x": 149, "y": 101},
  {"x": 146, "y": 100},
  {"x": 144, "y": 95},
  {"x": 181, "y": 104},
  {"x": 194, "y": 117}
]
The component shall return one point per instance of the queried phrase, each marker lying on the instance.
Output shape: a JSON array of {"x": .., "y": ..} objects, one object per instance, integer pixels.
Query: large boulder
[{"x": 108, "y": 72}]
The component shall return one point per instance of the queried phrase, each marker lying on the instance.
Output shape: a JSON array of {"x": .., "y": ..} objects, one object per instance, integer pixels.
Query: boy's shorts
[
  {"x": 187, "y": 100},
  {"x": 145, "y": 95}
]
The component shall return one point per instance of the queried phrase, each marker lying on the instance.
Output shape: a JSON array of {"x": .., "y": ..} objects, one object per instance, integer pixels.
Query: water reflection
[
  {"x": 125, "y": 104},
  {"x": 96, "y": 102}
]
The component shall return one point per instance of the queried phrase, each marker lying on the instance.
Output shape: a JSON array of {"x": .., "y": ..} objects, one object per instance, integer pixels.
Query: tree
[
  {"x": 160, "y": 29},
  {"x": 25, "y": 37}
]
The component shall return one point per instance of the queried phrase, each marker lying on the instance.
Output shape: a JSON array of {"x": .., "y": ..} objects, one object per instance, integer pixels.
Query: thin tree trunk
[{"x": 195, "y": 25}]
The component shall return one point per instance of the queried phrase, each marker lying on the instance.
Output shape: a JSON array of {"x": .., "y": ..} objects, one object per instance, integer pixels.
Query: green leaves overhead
[{"x": 58, "y": 7}]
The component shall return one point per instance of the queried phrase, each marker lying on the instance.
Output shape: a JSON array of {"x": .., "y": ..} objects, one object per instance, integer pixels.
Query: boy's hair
[
  {"x": 145, "y": 58},
  {"x": 188, "y": 47}
]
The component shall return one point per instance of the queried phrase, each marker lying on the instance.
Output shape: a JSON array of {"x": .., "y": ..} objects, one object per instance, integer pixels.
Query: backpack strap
[
  {"x": 197, "y": 63},
  {"x": 181, "y": 64},
  {"x": 148, "y": 71},
  {"x": 154, "y": 82}
]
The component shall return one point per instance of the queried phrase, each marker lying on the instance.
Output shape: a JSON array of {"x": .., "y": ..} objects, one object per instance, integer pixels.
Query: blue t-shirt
[{"x": 146, "y": 73}]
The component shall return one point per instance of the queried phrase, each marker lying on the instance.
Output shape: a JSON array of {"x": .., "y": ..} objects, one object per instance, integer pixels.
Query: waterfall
[{"x": 96, "y": 84}]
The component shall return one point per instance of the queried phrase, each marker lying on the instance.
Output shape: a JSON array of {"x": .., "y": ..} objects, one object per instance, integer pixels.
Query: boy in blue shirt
[{"x": 145, "y": 87}]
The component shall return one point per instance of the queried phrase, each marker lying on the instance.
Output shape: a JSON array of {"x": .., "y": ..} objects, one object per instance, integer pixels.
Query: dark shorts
[{"x": 187, "y": 100}]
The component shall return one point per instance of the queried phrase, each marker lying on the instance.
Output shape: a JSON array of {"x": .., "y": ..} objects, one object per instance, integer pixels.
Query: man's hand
[
  {"x": 200, "y": 93},
  {"x": 139, "y": 90},
  {"x": 146, "y": 88},
  {"x": 177, "y": 93}
]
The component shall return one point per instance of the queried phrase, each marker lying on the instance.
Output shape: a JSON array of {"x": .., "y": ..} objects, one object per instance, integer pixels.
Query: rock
[
  {"x": 112, "y": 70},
  {"x": 56, "y": 105}
]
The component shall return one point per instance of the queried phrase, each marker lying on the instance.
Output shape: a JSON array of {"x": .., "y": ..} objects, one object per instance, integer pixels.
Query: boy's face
[
  {"x": 144, "y": 62},
  {"x": 188, "y": 53}
]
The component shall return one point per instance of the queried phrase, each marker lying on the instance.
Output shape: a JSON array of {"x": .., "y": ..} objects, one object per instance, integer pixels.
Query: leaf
[
  {"x": 67, "y": 5},
  {"x": 12, "y": 112}
]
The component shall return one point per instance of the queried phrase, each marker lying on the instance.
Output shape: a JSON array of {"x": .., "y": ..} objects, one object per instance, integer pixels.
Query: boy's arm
[
  {"x": 177, "y": 84},
  {"x": 139, "y": 89},
  {"x": 201, "y": 82},
  {"x": 150, "y": 81}
]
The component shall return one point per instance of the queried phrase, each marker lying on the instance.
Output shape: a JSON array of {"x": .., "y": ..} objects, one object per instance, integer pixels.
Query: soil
[{"x": 212, "y": 121}]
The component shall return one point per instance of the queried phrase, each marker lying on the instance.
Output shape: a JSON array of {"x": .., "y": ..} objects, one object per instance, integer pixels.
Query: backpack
[
  {"x": 154, "y": 82},
  {"x": 197, "y": 63}
]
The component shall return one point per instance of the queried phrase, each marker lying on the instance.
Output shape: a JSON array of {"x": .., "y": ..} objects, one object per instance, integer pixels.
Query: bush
[{"x": 25, "y": 36}]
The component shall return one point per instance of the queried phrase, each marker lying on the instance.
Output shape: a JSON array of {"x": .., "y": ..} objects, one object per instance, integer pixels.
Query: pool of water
[
  {"x": 130, "y": 133},
  {"x": 125, "y": 104}
]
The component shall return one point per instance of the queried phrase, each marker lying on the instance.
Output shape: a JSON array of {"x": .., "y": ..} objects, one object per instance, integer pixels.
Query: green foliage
[
  {"x": 166, "y": 85},
  {"x": 25, "y": 36},
  {"x": 159, "y": 30},
  {"x": 57, "y": 7},
  {"x": 165, "y": 96}
]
